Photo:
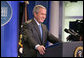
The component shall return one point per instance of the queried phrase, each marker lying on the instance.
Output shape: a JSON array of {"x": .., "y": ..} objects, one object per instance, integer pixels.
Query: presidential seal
[
  {"x": 6, "y": 12},
  {"x": 78, "y": 52}
]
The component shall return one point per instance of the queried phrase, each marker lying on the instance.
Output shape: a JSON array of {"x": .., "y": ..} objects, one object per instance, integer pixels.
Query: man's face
[{"x": 41, "y": 15}]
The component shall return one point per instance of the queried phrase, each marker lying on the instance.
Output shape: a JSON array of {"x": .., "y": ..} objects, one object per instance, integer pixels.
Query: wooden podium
[{"x": 65, "y": 49}]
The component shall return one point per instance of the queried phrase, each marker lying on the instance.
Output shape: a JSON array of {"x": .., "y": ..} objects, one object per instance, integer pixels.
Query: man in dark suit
[{"x": 35, "y": 37}]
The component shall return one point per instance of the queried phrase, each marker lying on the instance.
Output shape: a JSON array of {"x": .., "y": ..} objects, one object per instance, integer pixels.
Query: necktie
[{"x": 40, "y": 30}]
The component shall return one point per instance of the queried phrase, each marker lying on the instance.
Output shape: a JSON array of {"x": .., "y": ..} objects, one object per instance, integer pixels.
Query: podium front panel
[
  {"x": 52, "y": 51},
  {"x": 65, "y": 49},
  {"x": 70, "y": 47}
]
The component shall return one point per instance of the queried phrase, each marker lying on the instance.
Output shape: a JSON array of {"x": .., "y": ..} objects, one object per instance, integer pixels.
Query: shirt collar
[{"x": 36, "y": 22}]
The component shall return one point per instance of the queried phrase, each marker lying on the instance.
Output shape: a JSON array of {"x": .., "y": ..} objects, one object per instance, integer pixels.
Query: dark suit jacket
[{"x": 32, "y": 37}]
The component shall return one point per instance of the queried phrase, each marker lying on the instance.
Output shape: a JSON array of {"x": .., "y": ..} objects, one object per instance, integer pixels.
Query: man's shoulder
[{"x": 29, "y": 21}]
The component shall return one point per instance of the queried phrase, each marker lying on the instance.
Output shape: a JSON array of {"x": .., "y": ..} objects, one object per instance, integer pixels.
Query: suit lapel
[
  {"x": 37, "y": 29},
  {"x": 43, "y": 33}
]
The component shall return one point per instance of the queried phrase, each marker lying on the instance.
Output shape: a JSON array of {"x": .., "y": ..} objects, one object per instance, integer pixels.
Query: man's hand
[{"x": 41, "y": 49}]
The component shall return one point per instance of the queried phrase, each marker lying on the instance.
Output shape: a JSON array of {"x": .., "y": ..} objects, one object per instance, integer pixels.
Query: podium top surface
[{"x": 72, "y": 42}]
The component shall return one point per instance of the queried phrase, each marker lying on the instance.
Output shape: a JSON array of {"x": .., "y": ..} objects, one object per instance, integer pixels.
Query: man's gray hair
[{"x": 37, "y": 7}]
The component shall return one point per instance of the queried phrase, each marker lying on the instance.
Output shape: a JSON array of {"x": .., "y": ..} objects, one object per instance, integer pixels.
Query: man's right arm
[
  {"x": 28, "y": 36},
  {"x": 40, "y": 48}
]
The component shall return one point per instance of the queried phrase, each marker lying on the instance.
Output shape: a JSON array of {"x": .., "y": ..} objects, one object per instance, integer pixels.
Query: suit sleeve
[{"x": 28, "y": 36}]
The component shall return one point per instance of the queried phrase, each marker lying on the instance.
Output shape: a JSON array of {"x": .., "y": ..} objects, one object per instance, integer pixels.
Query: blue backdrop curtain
[{"x": 9, "y": 33}]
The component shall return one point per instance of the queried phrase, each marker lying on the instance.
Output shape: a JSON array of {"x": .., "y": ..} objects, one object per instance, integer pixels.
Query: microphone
[{"x": 72, "y": 32}]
